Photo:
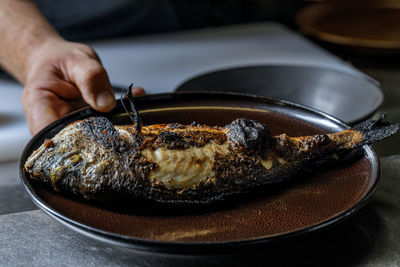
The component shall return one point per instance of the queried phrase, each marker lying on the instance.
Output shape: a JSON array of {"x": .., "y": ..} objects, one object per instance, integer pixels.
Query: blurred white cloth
[
  {"x": 14, "y": 132},
  {"x": 159, "y": 63}
]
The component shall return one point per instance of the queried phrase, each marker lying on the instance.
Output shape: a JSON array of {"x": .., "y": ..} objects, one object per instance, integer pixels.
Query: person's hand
[{"x": 62, "y": 76}]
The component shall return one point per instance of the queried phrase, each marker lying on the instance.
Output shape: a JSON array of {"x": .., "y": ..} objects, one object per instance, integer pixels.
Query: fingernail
[
  {"x": 138, "y": 91},
  {"x": 105, "y": 99}
]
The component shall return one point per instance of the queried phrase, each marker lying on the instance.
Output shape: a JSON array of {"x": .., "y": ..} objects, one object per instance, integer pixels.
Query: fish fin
[
  {"x": 137, "y": 122},
  {"x": 376, "y": 130}
]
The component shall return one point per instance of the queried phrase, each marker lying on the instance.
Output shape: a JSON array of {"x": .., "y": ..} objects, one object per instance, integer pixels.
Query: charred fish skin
[
  {"x": 89, "y": 158},
  {"x": 174, "y": 163}
]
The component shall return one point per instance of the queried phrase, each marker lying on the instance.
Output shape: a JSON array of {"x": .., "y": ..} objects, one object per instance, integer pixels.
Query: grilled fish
[{"x": 174, "y": 163}]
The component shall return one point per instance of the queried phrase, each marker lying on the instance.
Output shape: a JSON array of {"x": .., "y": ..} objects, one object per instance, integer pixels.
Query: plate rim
[{"x": 195, "y": 248}]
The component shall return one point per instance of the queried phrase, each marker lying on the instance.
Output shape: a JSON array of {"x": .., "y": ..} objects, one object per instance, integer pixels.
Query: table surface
[{"x": 369, "y": 238}]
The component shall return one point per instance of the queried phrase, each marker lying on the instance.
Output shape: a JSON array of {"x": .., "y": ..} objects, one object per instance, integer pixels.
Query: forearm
[{"x": 23, "y": 31}]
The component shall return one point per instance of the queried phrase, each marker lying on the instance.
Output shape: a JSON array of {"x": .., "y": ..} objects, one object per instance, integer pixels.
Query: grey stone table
[{"x": 369, "y": 238}]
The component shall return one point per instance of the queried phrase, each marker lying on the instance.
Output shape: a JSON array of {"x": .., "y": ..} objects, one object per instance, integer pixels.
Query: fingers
[
  {"x": 43, "y": 106},
  {"x": 138, "y": 91},
  {"x": 62, "y": 75},
  {"x": 93, "y": 83}
]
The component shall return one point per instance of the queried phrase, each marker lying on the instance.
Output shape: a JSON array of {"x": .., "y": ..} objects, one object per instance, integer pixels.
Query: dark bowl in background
[{"x": 348, "y": 97}]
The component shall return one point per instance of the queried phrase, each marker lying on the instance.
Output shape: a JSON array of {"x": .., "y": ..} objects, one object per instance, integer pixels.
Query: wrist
[{"x": 23, "y": 30}]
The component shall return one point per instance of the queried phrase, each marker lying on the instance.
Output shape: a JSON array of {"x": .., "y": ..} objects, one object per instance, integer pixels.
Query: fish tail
[{"x": 376, "y": 130}]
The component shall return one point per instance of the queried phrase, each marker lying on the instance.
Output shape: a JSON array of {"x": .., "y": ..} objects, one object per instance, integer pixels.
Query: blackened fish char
[{"x": 174, "y": 163}]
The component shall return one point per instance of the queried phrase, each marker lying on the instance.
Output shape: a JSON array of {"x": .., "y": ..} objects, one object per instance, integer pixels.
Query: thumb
[{"x": 92, "y": 81}]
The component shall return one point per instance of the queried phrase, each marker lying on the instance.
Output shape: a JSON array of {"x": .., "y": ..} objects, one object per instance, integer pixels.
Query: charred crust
[
  {"x": 171, "y": 140},
  {"x": 285, "y": 147},
  {"x": 249, "y": 136},
  {"x": 137, "y": 181},
  {"x": 128, "y": 172},
  {"x": 132, "y": 180},
  {"x": 316, "y": 140},
  {"x": 203, "y": 192},
  {"x": 233, "y": 173},
  {"x": 125, "y": 170},
  {"x": 184, "y": 139},
  {"x": 137, "y": 140},
  {"x": 102, "y": 131},
  {"x": 282, "y": 145},
  {"x": 48, "y": 143},
  {"x": 236, "y": 171},
  {"x": 195, "y": 124},
  {"x": 175, "y": 126}
]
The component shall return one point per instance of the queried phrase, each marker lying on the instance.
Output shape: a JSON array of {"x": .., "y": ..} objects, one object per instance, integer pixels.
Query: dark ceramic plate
[
  {"x": 317, "y": 200},
  {"x": 328, "y": 90}
]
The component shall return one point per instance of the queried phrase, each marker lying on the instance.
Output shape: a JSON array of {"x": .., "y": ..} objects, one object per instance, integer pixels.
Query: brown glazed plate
[
  {"x": 312, "y": 202},
  {"x": 363, "y": 24}
]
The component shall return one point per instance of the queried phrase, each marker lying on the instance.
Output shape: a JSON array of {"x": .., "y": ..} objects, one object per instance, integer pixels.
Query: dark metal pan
[
  {"x": 324, "y": 198},
  {"x": 347, "y": 97}
]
